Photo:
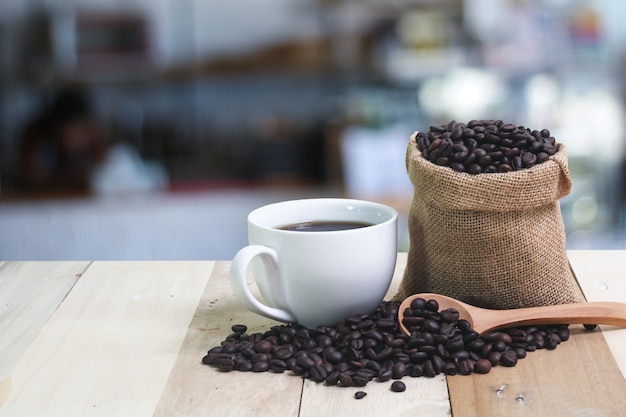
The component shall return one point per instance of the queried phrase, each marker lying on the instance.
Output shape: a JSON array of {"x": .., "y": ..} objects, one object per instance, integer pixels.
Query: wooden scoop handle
[{"x": 600, "y": 312}]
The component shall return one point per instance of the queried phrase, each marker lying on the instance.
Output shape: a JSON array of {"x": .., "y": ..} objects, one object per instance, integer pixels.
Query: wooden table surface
[{"x": 126, "y": 338}]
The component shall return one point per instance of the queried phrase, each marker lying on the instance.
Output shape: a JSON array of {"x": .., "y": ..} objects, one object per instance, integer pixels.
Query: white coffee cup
[{"x": 317, "y": 277}]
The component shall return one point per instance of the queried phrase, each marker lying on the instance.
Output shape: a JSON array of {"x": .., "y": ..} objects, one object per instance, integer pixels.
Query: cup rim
[{"x": 390, "y": 213}]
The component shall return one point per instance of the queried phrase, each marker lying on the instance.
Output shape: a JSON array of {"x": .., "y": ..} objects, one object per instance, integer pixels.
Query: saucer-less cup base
[{"x": 316, "y": 278}]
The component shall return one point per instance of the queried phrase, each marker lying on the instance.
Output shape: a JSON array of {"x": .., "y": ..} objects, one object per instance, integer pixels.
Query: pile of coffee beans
[
  {"x": 370, "y": 347},
  {"x": 485, "y": 146}
]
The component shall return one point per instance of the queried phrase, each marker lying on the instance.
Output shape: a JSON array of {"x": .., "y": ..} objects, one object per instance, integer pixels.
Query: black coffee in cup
[{"x": 324, "y": 226}]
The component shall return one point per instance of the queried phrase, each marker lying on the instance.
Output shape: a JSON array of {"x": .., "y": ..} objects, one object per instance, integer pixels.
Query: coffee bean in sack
[{"x": 486, "y": 146}]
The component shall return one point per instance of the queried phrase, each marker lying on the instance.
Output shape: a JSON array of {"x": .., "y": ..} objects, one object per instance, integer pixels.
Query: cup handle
[{"x": 239, "y": 283}]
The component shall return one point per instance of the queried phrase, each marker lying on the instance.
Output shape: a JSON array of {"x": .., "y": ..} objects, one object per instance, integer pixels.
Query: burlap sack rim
[{"x": 490, "y": 192}]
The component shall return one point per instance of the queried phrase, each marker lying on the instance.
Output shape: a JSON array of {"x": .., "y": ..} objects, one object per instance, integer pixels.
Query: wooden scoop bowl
[{"x": 483, "y": 320}]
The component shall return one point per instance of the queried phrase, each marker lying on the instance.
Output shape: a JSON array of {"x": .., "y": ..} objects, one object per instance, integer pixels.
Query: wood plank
[
  {"x": 424, "y": 396},
  {"x": 30, "y": 292},
  {"x": 602, "y": 277},
  {"x": 535, "y": 387},
  {"x": 194, "y": 389},
  {"x": 579, "y": 377},
  {"x": 101, "y": 358}
]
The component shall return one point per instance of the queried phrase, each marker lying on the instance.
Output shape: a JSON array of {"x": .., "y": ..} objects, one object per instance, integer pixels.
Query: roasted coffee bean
[
  {"x": 374, "y": 366},
  {"x": 460, "y": 355},
  {"x": 396, "y": 343},
  {"x": 229, "y": 348},
  {"x": 283, "y": 354},
  {"x": 430, "y": 326},
  {"x": 429, "y": 369},
  {"x": 317, "y": 373},
  {"x": 398, "y": 386},
  {"x": 291, "y": 362},
  {"x": 520, "y": 352},
  {"x": 386, "y": 324},
  {"x": 410, "y": 322},
  {"x": 563, "y": 334},
  {"x": 255, "y": 337},
  {"x": 239, "y": 328},
  {"x": 225, "y": 364},
  {"x": 332, "y": 378},
  {"x": 457, "y": 166},
  {"x": 455, "y": 346},
  {"x": 332, "y": 355},
  {"x": 385, "y": 374},
  {"x": 263, "y": 346},
  {"x": 505, "y": 168},
  {"x": 210, "y": 358},
  {"x": 528, "y": 159},
  {"x": 476, "y": 345},
  {"x": 454, "y": 145},
  {"x": 494, "y": 357},
  {"x": 277, "y": 365},
  {"x": 345, "y": 380},
  {"x": 449, "y": 315},
  {"x": 418, "y": 357},
  {"x": 474, "y": 169},
  {"x": 466, "y": 367},
  {"x": 432, "y": 305},
  {"x": 508, "y": 127},
  {"x": 509, "y": 358},
  {"x": 260, "y": 357},
  {"x": 305, "y": 361},
  {"x": 428, "y": 349},
  {"x": 482, "y": 366},
  {"x": 499, "y": 346},
  {"x": 552, "y": 340},
  {"x": 366, "y": 373},
  {"x": 450, "y": 368},
  {"x": 356, "y": 344},
  {"x": 398, "y": 370},
  {"x": 260, "y": 367},
  {"x": 243, "y": 365},
  {"x": 374, "y": 334},
  {"x": 360, "y": 394},
  {"x": 371, "y": 346}
]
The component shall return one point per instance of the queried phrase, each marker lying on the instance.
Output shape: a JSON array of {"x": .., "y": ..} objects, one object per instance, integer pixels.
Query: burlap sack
[{"x": 491, "y": 240}]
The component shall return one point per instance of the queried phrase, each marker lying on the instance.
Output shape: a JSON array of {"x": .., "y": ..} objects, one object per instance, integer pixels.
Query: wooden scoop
[{"x": 483, "y": 320}]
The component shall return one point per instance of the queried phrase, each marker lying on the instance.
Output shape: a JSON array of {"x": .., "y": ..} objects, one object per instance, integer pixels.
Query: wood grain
[
  {"x": 602, "y": 277},
  {"x": 578, "y": 378},
  {"x": 581, "y": 377},
  {"x": 423, "y": 397},
  {"x": 30, "y": 292},
  {"x": 127, "y": 338},
  {"x": 194, "y": 389},
  {"x": 111, "y": 344}
]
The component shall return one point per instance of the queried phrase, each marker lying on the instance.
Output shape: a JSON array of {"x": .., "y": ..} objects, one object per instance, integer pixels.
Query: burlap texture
[{"x": 493, "y": 240}]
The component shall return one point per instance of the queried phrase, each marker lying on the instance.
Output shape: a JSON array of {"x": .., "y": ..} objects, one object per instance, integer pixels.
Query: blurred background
[{"x": 148, "y": 129}]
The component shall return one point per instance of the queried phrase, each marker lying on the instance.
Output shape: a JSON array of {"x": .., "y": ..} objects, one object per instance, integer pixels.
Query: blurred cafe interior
[{"x": 148, "y": 129}]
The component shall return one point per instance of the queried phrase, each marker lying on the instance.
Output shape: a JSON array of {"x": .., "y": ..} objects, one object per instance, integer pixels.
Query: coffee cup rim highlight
[{"x": 375, "y": 213}]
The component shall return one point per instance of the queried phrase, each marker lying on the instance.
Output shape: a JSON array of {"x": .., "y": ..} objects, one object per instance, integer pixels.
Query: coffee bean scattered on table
[
  {"x": 398, "y": 386},
  {"x": 485, "y": 146},
  {"x": 368, "y": 347},
  {"x": 360, "y": 394}
]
